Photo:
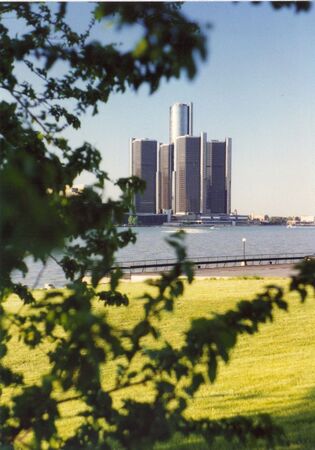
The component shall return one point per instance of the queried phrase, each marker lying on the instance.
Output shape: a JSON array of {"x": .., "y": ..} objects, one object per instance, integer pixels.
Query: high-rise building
[
  {"x": 217, "y": 177},
  {"x": 181, "y": 120},
  {"x": 187, "y": 175},
  {"x": 166, "y": 162},
  {"x": 228, "y": 173},
  {"x": 143, "y": 164},
  {"x": 204, "y": 171}
]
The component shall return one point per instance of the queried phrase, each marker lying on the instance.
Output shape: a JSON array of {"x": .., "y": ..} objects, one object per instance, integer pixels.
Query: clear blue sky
[{"x": 257, "y": 86}]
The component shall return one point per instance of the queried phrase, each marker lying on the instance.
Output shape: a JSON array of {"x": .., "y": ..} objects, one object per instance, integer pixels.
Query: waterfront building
[
  {"x": 166, "y": 163},
  {"x": 204, "y": 171},
  {"x": 181, "y": 120},
  {"x": 307, "y": 219},
  {"x": 76, "y": 189},
  {"x": 217, "y": 177},
  {"x": 228, "y": 173},
  {"x": 187, "y": 175},
  {"x": 143, "y": 164}
]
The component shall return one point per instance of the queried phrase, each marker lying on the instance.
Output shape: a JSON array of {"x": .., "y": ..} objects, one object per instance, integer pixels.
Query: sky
[{"x": 257, "y": 87}]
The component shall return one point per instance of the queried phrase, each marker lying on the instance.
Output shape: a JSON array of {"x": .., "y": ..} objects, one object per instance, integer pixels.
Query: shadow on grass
[{"x": 298, "y": 425}]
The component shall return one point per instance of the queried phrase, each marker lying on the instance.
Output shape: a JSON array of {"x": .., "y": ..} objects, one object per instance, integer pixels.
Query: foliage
[
  {"x": 132, "y": 220},
  {"x": 299, "y": 6},
  {"x": 37, "y": 163}
]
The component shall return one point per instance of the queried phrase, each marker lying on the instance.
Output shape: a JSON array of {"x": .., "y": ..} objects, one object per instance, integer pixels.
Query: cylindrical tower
[{"x": 180, "y": 120}]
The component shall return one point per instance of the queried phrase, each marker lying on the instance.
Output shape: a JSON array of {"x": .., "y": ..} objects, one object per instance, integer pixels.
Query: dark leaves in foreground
[{"x": 37, "y": 218}]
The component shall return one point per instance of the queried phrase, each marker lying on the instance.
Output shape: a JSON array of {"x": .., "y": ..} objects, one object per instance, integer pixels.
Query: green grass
[{"x": 271, "y": 372}]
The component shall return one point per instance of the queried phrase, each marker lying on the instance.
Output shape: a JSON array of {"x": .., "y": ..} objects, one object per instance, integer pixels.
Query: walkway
[{"x": 272, "y": 270}]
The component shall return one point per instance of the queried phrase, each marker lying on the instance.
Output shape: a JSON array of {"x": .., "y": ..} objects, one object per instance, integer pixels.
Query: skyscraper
[
  {"x": 217, "y": 181},
  {"x": 181, "y": 120},
  {"x": 187, "y": 175},
  {"x": 166, "y": 162},
  {"x": 204, "y": 171},
  {"x": 228, "y": 173},
  {"x": 143, "y": 164}
]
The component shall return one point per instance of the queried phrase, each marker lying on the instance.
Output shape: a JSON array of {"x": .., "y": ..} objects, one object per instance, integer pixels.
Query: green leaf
[{"x": 141, "y": 48}]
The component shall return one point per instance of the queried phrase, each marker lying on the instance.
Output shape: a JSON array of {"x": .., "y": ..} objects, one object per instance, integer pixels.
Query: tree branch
[{"x": 29, "y": 112}]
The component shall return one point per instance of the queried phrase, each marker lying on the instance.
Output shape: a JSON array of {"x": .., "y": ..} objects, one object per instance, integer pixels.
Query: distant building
[
  {"x": 181, "y": 120},
  {"x": 190, "y": 175},
  {"x": 76, "y": 189},
  {"x": 307, "y": 219},
  {"x": 217, "y": 177},
  {"x": 145, "y": 219},
  {"x": 166, "y": 167},
  {"x": 257, "y": 217},
  {"x": 187, "y": 175},
  {"x": 143, "y": 164}
]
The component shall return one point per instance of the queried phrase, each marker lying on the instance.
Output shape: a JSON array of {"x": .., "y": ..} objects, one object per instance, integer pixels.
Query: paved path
[{"x": 270, "y": 270}]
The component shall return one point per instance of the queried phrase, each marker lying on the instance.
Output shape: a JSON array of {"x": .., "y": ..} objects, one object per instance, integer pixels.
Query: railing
[{"x": 209, "y": 262}]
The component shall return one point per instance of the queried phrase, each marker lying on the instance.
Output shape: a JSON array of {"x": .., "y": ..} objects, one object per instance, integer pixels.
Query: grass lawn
[{"x": 271, "y": 372}]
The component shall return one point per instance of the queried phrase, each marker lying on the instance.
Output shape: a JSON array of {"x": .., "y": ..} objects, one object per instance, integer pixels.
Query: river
[{"x": 200, "y": 242}]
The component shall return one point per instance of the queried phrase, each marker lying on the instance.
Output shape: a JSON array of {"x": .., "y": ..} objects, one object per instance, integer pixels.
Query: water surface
[{"x": 200, "y": 242}]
